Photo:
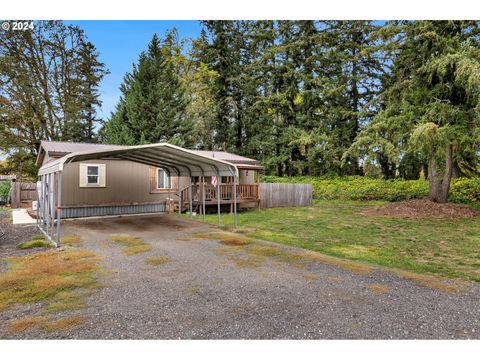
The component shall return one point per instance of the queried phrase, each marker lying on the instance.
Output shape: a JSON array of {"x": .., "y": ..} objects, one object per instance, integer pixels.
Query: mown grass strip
[
  {"x": 253, "y": 254},
  {"x": 445, "y": 247}
]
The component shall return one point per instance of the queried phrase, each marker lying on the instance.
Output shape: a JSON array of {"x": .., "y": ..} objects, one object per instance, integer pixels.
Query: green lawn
[{"x": 437, "y": 246}]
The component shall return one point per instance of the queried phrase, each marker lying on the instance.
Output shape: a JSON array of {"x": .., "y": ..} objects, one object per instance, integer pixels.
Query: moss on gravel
[
  {"x": 133, "y": 245},
  {"x": 34, "y": 244}
]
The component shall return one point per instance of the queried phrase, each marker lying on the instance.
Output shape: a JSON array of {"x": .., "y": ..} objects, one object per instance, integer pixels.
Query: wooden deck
[{"x": 246, "y": 193}]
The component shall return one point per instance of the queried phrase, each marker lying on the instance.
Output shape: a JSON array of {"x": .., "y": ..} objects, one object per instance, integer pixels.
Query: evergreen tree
[
  {"x": 91, "y": 71},
  {"x": 153, "y": 103},
  {"x": 353, "y": 58},
  {"x": 222, "y": 53},
  {"x": 431, "y": 106}
]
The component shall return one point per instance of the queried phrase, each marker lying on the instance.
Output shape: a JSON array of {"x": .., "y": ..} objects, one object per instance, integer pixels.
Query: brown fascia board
[
  {"x": 40, "y": 156},
  {"x": 57, "y": 153}
]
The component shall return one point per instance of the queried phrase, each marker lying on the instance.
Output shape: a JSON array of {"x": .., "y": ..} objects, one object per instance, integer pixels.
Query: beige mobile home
[{"x": 99, "y": 180}]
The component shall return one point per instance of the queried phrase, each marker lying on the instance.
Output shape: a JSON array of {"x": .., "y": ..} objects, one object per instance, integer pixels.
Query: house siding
[{"x": 127, "y": 183}]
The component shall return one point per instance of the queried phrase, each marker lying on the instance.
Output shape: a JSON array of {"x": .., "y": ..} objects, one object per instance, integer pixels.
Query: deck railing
[{"x": 244, "y": 192}]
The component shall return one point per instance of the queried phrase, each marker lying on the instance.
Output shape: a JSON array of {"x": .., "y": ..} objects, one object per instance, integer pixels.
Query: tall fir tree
[
  {"x": 431, "y": 106},
  {"x": 153, "y": 103}
]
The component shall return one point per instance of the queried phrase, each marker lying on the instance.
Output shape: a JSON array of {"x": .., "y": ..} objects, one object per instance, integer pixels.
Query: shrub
[
  {"x": 463, "y": 190},
  {"x": 4, "y": 189}
]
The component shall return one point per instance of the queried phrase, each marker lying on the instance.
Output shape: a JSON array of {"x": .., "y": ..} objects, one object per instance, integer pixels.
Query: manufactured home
[{"x": 98, "y": 180}]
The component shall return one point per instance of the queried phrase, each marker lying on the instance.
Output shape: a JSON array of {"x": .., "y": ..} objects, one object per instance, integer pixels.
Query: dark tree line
[
  {"x": 395, "y": 99},
  {"x": 325, "y": 97}
]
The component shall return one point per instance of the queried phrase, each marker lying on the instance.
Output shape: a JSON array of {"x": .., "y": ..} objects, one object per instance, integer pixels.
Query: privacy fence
[
  {"x": 285, "y": 195},
  {"x": 22, "y": 192}
]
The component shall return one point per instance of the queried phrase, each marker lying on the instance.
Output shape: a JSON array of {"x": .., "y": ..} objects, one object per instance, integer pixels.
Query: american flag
[{"x": 214, "y": 180}]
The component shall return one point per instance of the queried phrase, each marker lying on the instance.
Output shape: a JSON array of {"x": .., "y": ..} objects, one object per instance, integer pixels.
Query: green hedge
[
  {"x": 363, "y": 188},
  {"x": 4, "y": 188}
]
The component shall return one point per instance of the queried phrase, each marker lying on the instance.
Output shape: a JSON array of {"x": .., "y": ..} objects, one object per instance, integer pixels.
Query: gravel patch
[
  {"x": 12, "y": 235},
  {"x": 202, "y": 293}
]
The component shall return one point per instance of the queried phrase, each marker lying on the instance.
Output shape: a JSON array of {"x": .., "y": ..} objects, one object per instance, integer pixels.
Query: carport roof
[{"x": 173, "y": 158}]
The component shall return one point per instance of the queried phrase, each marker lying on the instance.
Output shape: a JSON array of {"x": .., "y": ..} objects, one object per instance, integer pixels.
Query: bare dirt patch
[
  {"x": 148, "y": 223},
  {"x": 13, "y": 235},
  {"x": 421, "y": 208},
  {"x": 90, "y": 224}
]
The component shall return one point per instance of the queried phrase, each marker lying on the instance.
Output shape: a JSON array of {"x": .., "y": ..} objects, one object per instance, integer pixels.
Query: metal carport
[{"x": 174, "y": 159}]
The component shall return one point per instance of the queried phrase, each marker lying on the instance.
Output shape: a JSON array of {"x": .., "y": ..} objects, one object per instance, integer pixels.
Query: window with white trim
[
  {"x": 93, "y": 175},
  {"x": 163, "y": 179}
]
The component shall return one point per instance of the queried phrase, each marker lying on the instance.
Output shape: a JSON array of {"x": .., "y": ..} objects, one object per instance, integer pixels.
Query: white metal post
[
  {"x": 40, "y": 205},
  {"x": 52, "y": 204},
  {"x": 190, "y": 196},
  {"x": 45, "y": 183},
  {"x": 46, "y": 201},
  {"x": 38, "y": 200},
  {"x": 59, "y": 204},
  {"x": 235, "y": 200},
  {"x": 219, "y": 195},
  {"x": 203, "y": 197},
  {"x": 180, "y": 202}
]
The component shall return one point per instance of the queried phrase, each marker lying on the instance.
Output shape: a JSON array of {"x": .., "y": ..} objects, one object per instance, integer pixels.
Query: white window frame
[
  {"x": 166, "y": 177},
  {"x": 98, "y": 175}
]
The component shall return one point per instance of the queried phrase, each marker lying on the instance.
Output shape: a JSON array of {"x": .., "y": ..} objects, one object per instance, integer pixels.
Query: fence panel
[
  {"x": 285, "y": 195},
  {"x": 22, "y": 191},
  {"x": 28, "y": 191}
]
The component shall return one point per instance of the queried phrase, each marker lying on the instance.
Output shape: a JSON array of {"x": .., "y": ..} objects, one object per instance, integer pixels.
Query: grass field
[{"x": 436, "y": 246}]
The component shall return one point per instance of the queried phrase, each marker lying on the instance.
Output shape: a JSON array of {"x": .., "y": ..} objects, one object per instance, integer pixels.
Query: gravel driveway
[{"x": 202, "y": 293}]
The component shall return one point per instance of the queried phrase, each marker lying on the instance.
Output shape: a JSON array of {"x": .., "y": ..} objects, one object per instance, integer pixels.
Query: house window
[
  {"x": 93, "y": 175},
  {"x": 163, "y": 179}
]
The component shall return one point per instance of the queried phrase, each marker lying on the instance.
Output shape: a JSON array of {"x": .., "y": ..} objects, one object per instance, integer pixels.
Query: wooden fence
[
  {"x": 285, "y": 195},
  {"x": 22, "y": 192}
]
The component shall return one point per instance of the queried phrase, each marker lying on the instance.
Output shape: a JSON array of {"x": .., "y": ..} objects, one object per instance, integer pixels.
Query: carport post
[
  {"x": 218, "y": 198},
  {"x": 190, "y": 196},
  {"x": 42, "y": 207},
  {"x": 36, "y": 188},
  {"x": 52, "y": 204},
  {"x": 46, "y": 210},
  {"x": 59, "y": 204},
  {"x": 203, "y": 197},
  {"x": 179, "y": 200},
  {"x": 235, "y": 200},
  {"x": 40, "y": 196}
]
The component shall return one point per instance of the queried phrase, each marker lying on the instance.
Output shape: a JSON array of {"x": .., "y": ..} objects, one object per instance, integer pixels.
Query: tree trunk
[
  {"x": 440, "y": 187},
  {"x": 456, "y": 171}
]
